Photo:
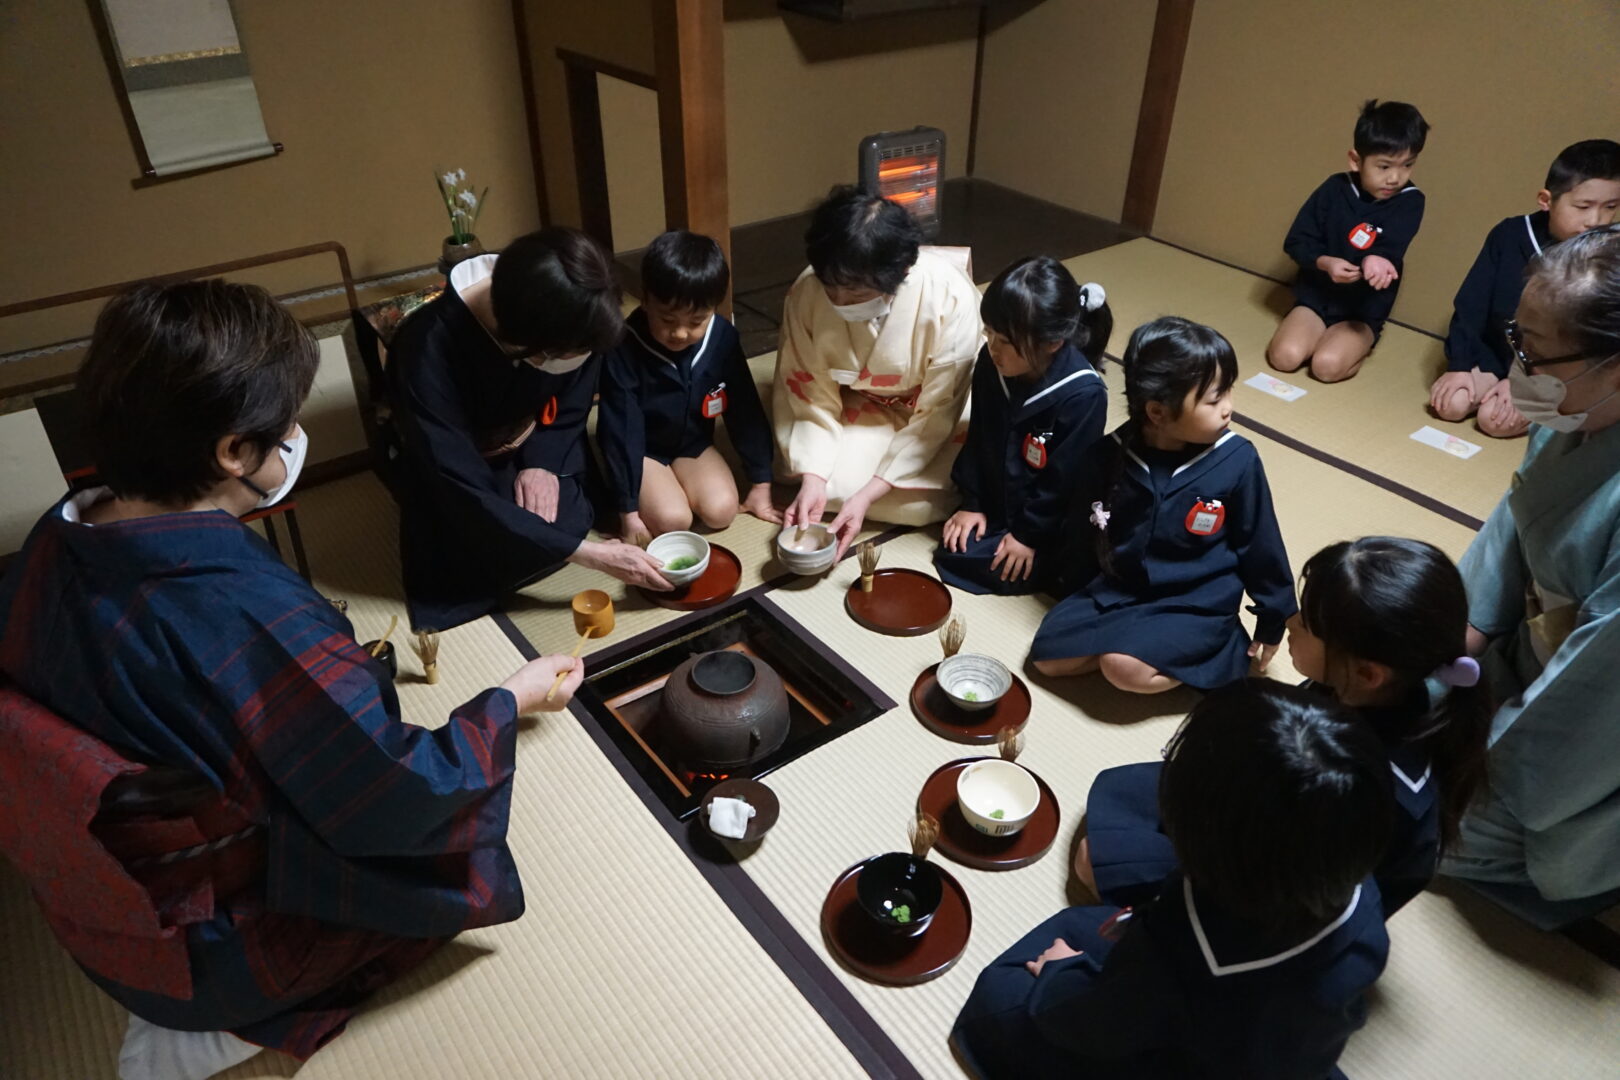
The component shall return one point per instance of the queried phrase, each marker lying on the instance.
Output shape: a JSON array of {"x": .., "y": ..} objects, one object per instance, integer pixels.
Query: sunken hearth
[{"x": 624, "y": 694}]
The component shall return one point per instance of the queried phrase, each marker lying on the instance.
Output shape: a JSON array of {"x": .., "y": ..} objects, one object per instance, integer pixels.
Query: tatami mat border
[
  {"x": 1427, "y": 502},
  {"x": 866, "y": 1041}
]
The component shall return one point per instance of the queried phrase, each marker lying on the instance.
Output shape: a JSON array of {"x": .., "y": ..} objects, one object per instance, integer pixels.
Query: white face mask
[
  {"x": 1538, "y": 398},
  {"x": 557, "y": 365},
  {"x": 292, "y": 456},
  {"x": 875, "y": 308}
]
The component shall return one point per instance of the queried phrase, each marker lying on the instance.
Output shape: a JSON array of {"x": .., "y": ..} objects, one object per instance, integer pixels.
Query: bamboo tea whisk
[
  {"x": 1010, "y": 742},
  {"x": 868, "y": 555},
  {"x": 924, "y": 831},
  {"x": 427, "y": 647},
  {"x": 952, "y": 634}
]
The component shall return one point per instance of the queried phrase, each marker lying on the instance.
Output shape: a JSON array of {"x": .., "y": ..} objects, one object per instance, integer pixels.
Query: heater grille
[{"x": 906, "y": 166}]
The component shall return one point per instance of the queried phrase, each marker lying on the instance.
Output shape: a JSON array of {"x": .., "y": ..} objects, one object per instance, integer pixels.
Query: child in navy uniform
[
  {"x": 1379, "y": 616},
  {"x": 679, "y": 369},
  {"x": 1349, "y": 240},
  {"x": 1582, "y": 192},
  {"x": 1183, "y": 525},
  {"x": 1255, "y": 960},
  {"x": 1038, "y": 405}
]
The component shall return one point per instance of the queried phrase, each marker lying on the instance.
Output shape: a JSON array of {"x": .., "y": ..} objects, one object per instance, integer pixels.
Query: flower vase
[{"x": 453, "y": 252}]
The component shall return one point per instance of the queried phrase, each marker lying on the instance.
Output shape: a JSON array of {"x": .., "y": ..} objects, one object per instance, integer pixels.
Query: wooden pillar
[
  {"x": 689, "y": 46},
  {"x": 1171, "y": 28},
  {"x": 531, "y": 111},
  {"x": 590, "y": 156}
]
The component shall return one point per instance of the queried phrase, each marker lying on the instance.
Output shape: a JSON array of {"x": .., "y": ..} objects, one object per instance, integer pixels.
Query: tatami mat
[
  {"x": 1367, "y": 420},
  {"x": 626, "y": 964}
]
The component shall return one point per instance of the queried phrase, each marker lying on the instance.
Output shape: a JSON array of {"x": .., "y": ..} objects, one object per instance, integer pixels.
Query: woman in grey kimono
[{"x": 1544, "y": 594}]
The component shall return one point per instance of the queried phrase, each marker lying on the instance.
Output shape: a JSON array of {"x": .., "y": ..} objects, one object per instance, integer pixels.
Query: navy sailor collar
[
  {"x": 1187, "y": 471},
  {"x": 636, "y": 326},
  {"x": 1366, "y": 198},
  {"x": 1067, "y": 375}
]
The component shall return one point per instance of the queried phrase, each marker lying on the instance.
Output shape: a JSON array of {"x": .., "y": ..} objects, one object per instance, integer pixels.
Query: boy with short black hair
[
  {"x": 679, "y": 368},
  {"x": 1349, "y": 240},
  {"x": 1582, "y": 193}
]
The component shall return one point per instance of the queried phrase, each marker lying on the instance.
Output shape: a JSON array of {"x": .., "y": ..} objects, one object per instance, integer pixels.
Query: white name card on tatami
[
  {"x": 1275, "y": 387},
  {"x": 1429, "y": 436}
]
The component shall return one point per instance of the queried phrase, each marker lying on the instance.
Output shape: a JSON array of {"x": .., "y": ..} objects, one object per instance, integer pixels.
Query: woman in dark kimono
[
  {"x": 338, "y": 846},
  {"x": 492, "y": 384}
]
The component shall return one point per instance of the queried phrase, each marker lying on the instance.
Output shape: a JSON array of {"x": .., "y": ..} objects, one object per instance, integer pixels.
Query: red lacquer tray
[
  {"x": 961, "y": 842},
  {"x": 879, "y": 956},
  {"x": 717, "y": 583},
  {"x": 902, "y": 603},
  {"x": 971, "y": 726}
]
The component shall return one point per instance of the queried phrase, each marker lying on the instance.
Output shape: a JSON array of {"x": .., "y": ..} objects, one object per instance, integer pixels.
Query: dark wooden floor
[{"x": 998, "y": 223}]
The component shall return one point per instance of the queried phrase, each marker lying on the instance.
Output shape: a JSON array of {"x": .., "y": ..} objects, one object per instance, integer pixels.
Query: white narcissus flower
[
  {"x": 469, "y": 198},
  {"x": 449, "y": 179},
  {"x": 461, "y": 174}
]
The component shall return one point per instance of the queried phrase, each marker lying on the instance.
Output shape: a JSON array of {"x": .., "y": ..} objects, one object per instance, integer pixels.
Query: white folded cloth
[
  {"x": 729, "y": 817},
  {"x": 158, "y": 1053}
]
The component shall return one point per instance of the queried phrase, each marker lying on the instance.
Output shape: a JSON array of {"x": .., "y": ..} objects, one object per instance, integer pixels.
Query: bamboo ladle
[{"x": 593, "y": 617}]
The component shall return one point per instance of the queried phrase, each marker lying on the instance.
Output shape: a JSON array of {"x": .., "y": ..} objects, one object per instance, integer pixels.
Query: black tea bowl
[
  {"x": 899, "y": 891},
  {"x": 386, "y": 657}
]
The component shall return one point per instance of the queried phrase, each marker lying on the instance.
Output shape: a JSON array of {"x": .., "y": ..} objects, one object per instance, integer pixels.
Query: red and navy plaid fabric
[{"x": 181, "y": 639}]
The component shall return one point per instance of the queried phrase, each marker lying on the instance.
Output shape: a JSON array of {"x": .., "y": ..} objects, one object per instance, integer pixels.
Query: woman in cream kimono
[
  {"x": 1544, "y": 593},
  {"x": 878, "y": 344}
]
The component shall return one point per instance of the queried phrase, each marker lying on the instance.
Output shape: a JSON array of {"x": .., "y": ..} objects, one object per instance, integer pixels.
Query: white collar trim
[
  {"x": 73, "y": 509},
  {"x": 469, "y": 272},
  {"x": 1415, "y": 785},
  {"x": 1069, "y": 378},
  {"x": 1212, "y": 448},
  {"x": 1531, "y": 230},
  {"x": 1218, "y": 969},
  {"x": 653, "y": 348}
]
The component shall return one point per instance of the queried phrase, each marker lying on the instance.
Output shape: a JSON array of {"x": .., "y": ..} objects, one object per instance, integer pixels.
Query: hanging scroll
[{"x": 187, "y": 89}]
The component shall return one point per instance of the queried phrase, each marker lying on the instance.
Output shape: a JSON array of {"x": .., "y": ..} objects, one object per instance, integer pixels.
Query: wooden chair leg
[{"x": 297, "y": 538}]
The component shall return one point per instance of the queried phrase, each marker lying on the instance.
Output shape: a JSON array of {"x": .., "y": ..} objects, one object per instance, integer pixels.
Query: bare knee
[
  {"x": 1286, "y": 355},
  {"x": 1134, "y": 676},
  {"x": 715, "y": 513},
  {"x": 661, "y": 518},
  {"x": 1457, "y": 407},
  {"x": 1331, "y": 365},
  {"x": 1071, "y": 665}
]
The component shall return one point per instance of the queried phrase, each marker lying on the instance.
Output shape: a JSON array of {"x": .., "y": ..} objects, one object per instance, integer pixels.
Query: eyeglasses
[{"x": 1515, "y": 340}]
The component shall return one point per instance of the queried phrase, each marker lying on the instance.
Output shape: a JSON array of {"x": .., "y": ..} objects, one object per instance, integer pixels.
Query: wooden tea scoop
[
  {"x": 593, "y": 617},
  {"x": 868, "y": 554},
  {"x": 376, "y": 650},
  {"x": 952, "y": 634}
]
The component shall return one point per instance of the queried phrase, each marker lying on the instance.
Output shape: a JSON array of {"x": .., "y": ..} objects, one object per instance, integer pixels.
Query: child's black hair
[
  {"x": 555, "y": 290},
  {"x": 861, "y": 240},
  {"x": 1171, "y": 358},
  {"x": 1035, "y": 302},
  {"x": 685, "y": 270},
  {"x": 1166, "y": 360},
  {"x": 1278, "y": 803},
  {"x": 1590, "y": 159},
  {"x": 1390, "y": 127},
  {"x": 1401, "y": 603}
]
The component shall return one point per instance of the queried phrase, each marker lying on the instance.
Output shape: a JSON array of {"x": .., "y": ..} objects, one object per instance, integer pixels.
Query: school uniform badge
[
  {"x": 714, "y": 403},
  {"x": 1363, "y": 235},
  {"x": 1035, "y": 451},
  {"x": 1206, "y": 518}
]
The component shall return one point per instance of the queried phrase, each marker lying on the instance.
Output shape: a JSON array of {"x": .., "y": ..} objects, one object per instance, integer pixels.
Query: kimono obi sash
[
  {"x": 899, "y": 400},
  {"x": 1550, "y": 618},
  {"x": 117, "y": 880}
]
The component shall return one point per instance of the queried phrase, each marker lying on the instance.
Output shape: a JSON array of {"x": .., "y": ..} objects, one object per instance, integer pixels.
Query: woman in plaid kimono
[{"x": 338, "y": 846}]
